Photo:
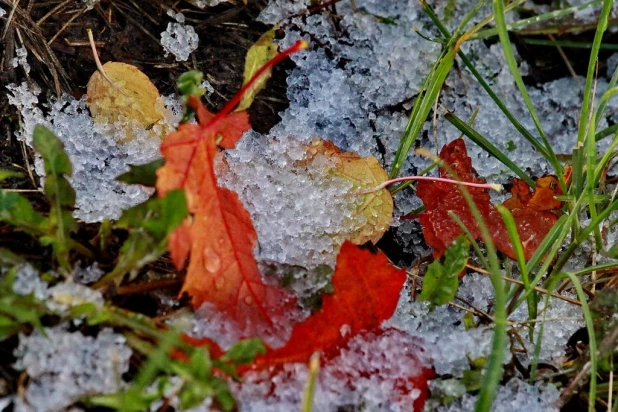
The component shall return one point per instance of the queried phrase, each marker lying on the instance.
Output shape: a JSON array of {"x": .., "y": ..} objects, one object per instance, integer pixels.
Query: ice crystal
[
  {"x": 373, "y": 371},
  {"x": 27, "y": 281},
  {"x": 21, "y": 59},
  {"x": 515, "y": 396},
  {"x": 301, "y": 212},
  {"x": 179, "y": 39},
  {"x": 64, "y": 366}
]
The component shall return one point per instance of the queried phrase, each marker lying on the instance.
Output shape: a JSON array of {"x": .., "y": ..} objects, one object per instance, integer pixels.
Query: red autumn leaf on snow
[
  {"x": 531, "y": 211},
  {"x": 366, "y": 291},
  {"x": 219, "y": 238}
]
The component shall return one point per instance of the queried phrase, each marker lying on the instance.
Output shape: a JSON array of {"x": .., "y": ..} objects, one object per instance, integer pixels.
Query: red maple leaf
[
  {"x": 219, "y": 237},
  {"x": 531, "y": 211},
  {"x": 366, "y": 291}
]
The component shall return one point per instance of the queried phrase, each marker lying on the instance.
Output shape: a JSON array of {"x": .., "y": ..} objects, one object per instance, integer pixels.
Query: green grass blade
[
  {"x": 422, "y": 106},
  {"x": 480, "y": 140},
  {"x": 566, "y": 12},
  {"x": 567, "y": 44},
  {"x": 604, "y": 101},
  {"x": 578, "y": 153},
  {"x": 511, "y": 228},
  {"x": 592, "y": 345},
  {"x": 608, "y": 131},
  {"x": 510, "y": 59},
  {"x": 430, "y": 92},
  {"x": 468, "y": 63}
]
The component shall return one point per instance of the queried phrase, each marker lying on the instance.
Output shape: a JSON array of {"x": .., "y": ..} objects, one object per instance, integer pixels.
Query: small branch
[
  {"x": 491, "y": 186},
  {"x": 98, "y": 62}
]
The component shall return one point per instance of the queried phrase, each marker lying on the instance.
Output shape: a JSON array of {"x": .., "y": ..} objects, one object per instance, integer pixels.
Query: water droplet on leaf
[{"x": 212, "y": 260}]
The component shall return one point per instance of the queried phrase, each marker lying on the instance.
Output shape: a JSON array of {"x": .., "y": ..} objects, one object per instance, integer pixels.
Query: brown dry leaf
[
  {"x": 261, "y": 52},
  {"x": 365, "y": 173},
  {"x": 132, "y": 96}
]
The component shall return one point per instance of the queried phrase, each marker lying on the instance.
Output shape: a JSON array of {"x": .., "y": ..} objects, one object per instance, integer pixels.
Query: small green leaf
[
  {"x": 472, "y": 380},
  {"x": 142, "y": 174},
  {"x": 244, "y": 352},
  {"x": 258, "y": 55},
  {"x": 59, "y": 192},
  {"x": 468, "y": 321},
  {"x": 9, "y": 259},
  {"x": 188, "y": 84},
  {"x": 17, "y": 211},
  {"x": 51, "y": 149},
  {"x": 441, "y": 280},
  {"x": 5, "y": 174},
  {"x": 149, "y": 225}
]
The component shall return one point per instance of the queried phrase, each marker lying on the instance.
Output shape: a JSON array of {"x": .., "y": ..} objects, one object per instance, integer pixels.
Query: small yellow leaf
[
  {"x": 365, "y": 173},
  {"x": 130, "y": 96},
  {"x": 261, "y": 52}
]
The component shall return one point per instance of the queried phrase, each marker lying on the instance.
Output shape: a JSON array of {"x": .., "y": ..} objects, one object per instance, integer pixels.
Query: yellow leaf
[
  {"x": 130, "y": 96},
  {"x": 365, "y": 173},
  {"x": 261, "y": 52}
]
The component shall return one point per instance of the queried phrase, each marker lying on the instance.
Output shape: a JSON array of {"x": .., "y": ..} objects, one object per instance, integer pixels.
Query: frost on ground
[
  {"x": 302, "y": 213},
  {"x": 179, "y": 39},
  {"x": 373, "y": 66},
  {"x": 94, "y": 148},
  {"x": 559, "y": 320},
  {"x": 377, "y": 372},
  {"x": 515, "y": 396},
  {"x": 449, "y": 345},
  {"x": 60, "y": 296},
  {"x": 64, "y": 366},
  {"x": 21, "y": 59}
]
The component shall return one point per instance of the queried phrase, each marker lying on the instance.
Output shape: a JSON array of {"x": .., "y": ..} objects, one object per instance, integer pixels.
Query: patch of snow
[
  {"x": 90, "y": 3},
  {"x": 278, "y": 10},
  {"x": 515, "y": 396},
  {"x": 209, "y": 88},
  {"x": 179, "y": 39},
  {"x": 64, "y": 366},
  {"x": 21, "y": 59},
  {"x": 560, "y": 321},
  {"x": 89, "y": 274},
  {"x": 558, "y": 105},
  {"x": 27, "y": 281},
  {"x": 375, "y": 371},
  {"x": 93, "y": 148},
  {"x": 68, "y": 294},
  {"x": 213, "y": 324},
  {"x": 445, "y": 338},
  {"x": 337, "y": 90},
  {"x": 301, "y": 212}
]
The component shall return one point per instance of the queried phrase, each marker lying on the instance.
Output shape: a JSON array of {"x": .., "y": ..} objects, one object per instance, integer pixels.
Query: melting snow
[
  {"x": 373, "y": 371},
  {"x": 95, "y": 153},
  {"x": 179, "y": 39},
  {"x": 64, "y": 366}
]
